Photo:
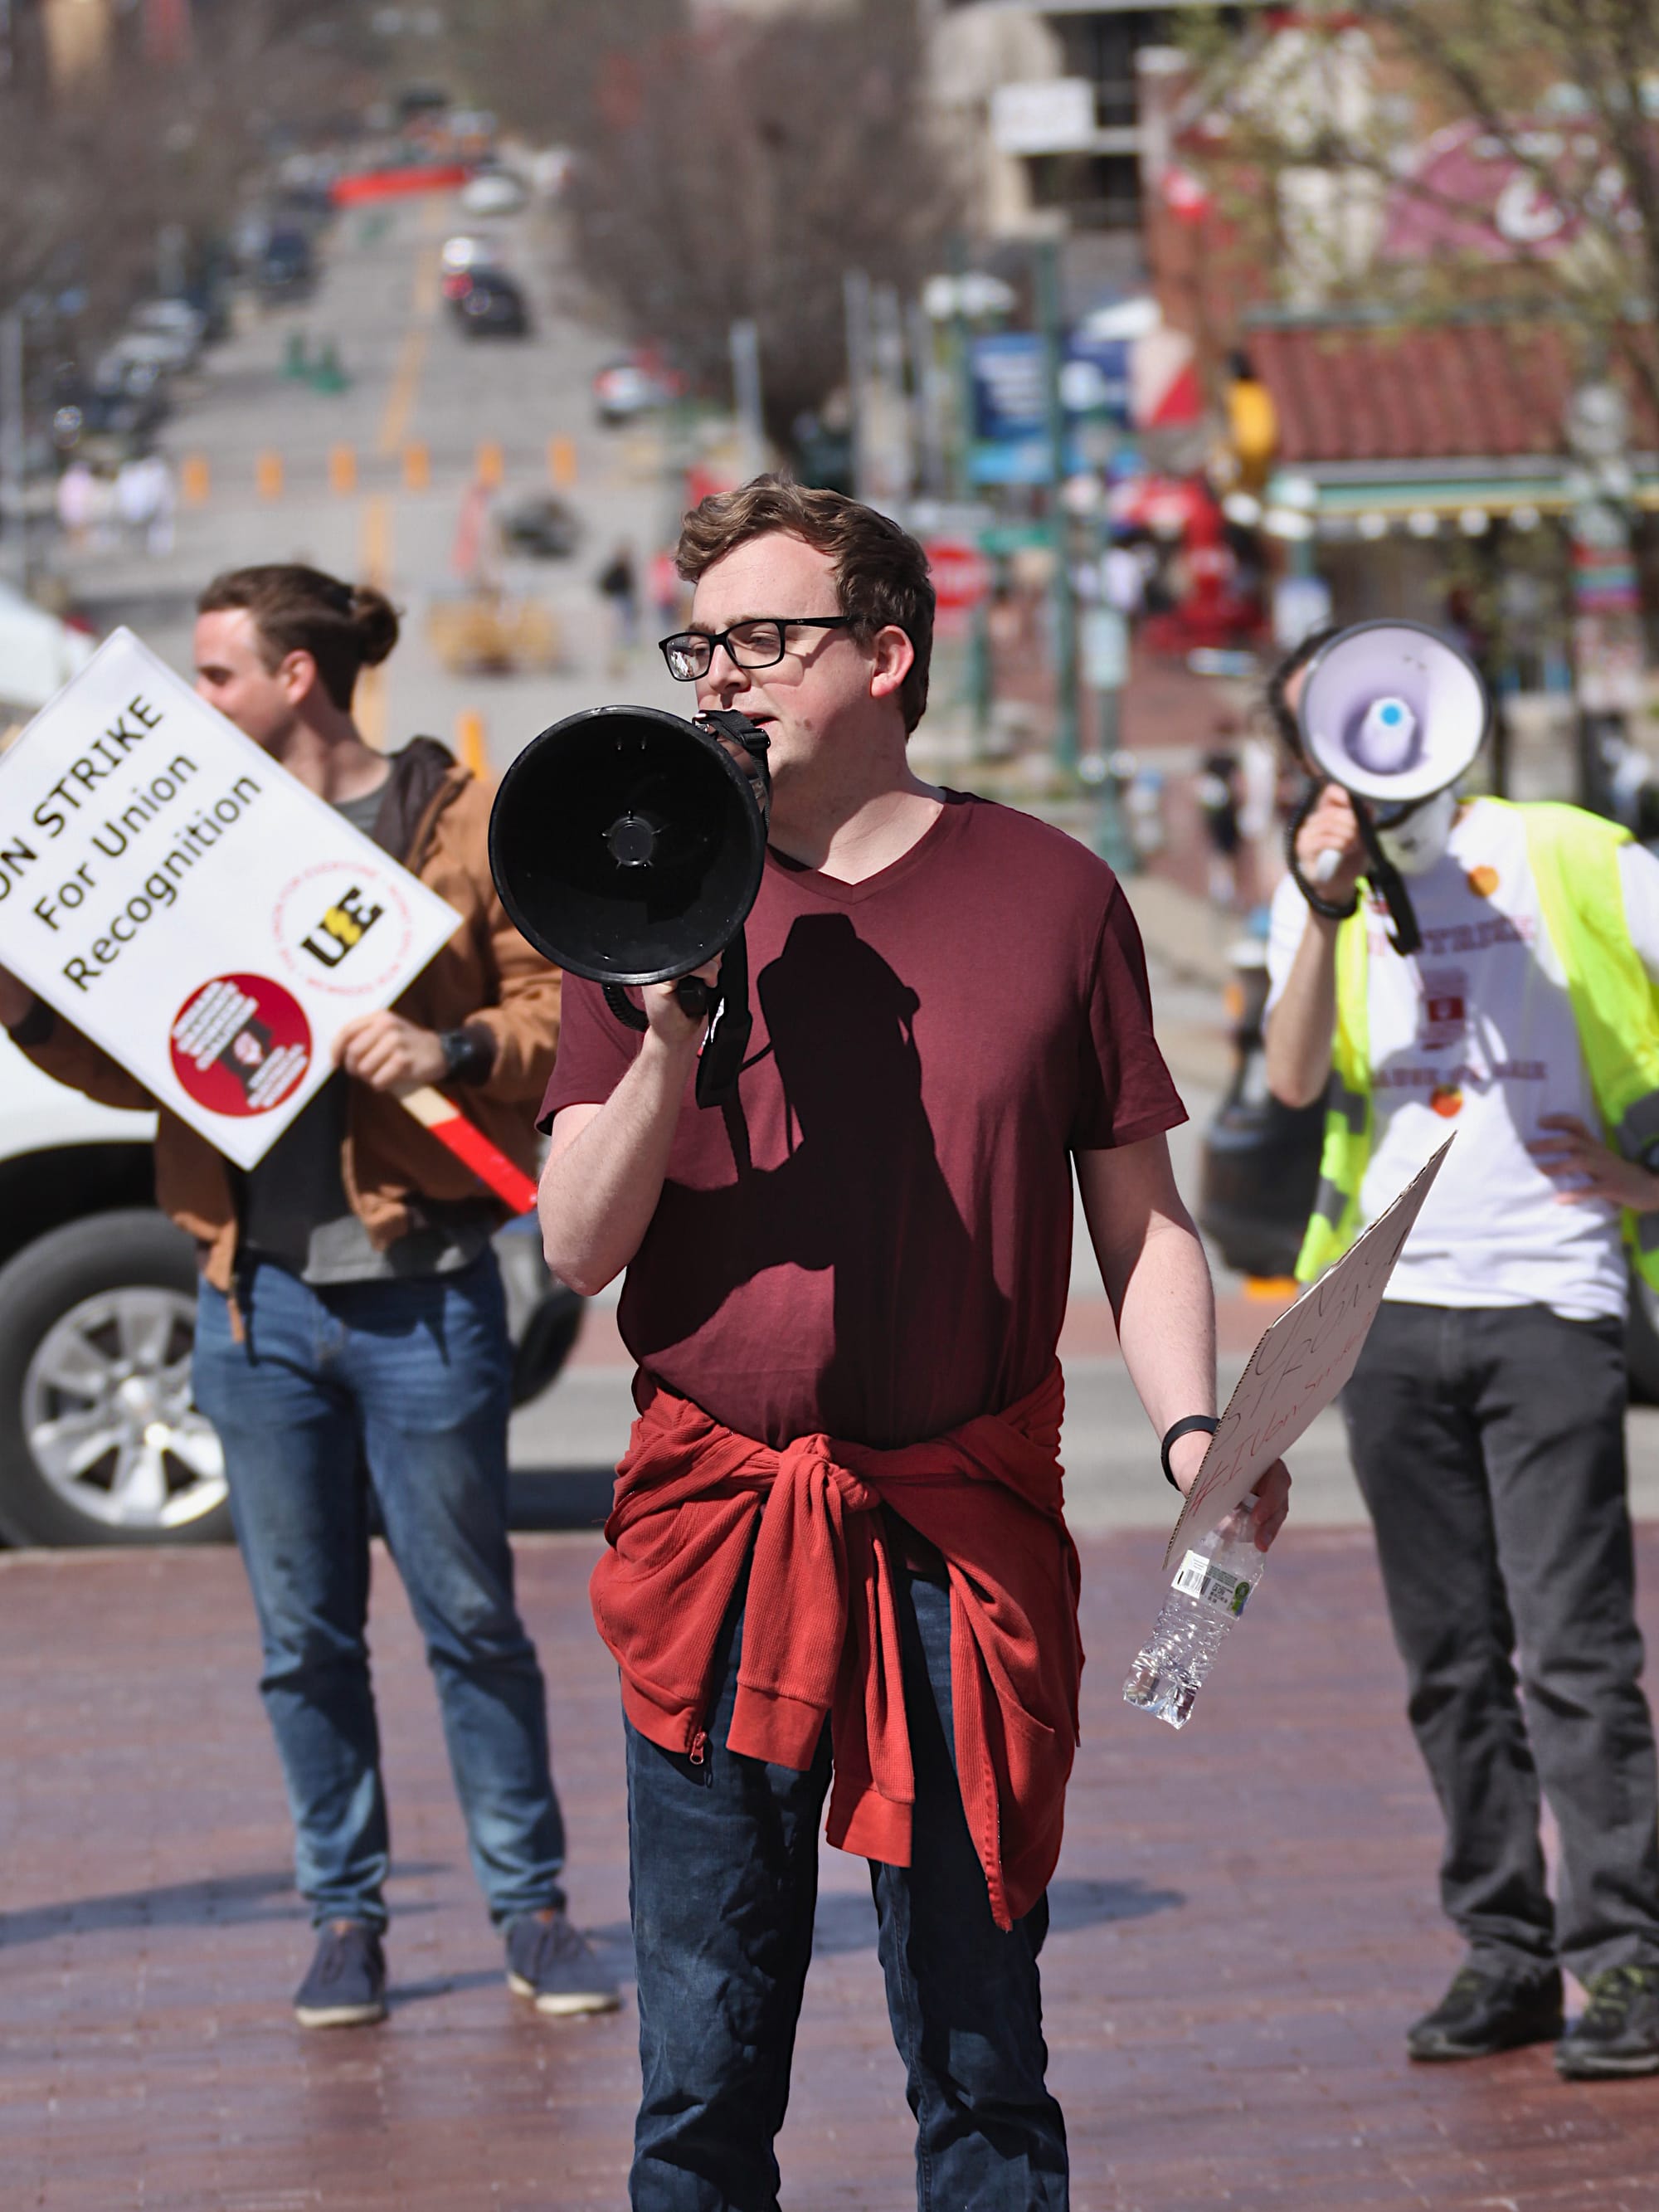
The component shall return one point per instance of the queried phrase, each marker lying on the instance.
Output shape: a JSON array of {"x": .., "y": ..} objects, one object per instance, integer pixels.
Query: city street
[
  {"x": 1244, "y": 1917},
  {"x": 416, "y": 382}
]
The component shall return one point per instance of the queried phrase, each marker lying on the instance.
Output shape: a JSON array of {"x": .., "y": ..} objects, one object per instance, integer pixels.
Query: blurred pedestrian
[
  {"x": 1486, "y": 1417},
  {"x": 1262, "y": 855},
  {"x": 837, "y": 1543},
  {"x": 618, "y": 583},
  {"x": 1216, "y": 791},
  {"x": 351, "y": 1328},
  {"x": 77, "y": 499},
  {"x": 144, "y": 502}
]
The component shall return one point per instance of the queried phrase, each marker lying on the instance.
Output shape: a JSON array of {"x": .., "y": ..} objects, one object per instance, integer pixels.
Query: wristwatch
[{"x": 469, "y": 1053}]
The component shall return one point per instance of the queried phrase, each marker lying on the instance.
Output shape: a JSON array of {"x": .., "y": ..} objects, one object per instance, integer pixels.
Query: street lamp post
[
  {"x": 1050, "y": 323},
  {"x": 14, "y": 452}
]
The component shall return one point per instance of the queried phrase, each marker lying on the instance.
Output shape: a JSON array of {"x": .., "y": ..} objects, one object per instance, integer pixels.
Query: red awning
[{"x": 1473, "y": 390}]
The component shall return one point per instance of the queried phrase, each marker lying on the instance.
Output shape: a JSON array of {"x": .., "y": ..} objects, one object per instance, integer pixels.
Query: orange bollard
[
  {"x": 470, "y": 742},
  {"x": 342, "y": 469},
  {"x": 194, "y": 480},
  {"x": 268, "y": 475},
  {"x": 418, "y": 467},
  {"x": 561, "y": 462},
  {"x": 491, "y": 464}
]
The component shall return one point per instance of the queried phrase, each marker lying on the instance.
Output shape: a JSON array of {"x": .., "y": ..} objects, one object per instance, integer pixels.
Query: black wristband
[
  {"x": 1185, "y": 1427},
  {"x": 36, "y": 1026},
  {"x": 470, "y": 1052}
]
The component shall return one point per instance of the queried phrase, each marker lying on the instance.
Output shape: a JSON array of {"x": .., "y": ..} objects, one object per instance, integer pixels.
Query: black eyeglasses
[{"x": 758, "y": 644}]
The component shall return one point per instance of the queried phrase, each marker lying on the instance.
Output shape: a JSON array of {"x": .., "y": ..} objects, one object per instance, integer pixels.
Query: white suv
[{"x": 100, "y": 1442}]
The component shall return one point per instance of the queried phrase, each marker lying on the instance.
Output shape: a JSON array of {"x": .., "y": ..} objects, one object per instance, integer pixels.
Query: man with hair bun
[
  {"x": 837, "y": 1546},
  {"x": 351, "y": 1331}
]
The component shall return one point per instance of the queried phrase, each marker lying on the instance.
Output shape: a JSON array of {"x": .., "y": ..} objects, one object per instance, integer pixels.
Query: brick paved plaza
[{"x": 1243, "y": 1922}]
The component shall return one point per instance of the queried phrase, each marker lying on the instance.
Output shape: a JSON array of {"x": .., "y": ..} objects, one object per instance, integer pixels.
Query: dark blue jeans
[
  {"x": 404, "y": 1385},
  {"x": 723, "y": 1862}
]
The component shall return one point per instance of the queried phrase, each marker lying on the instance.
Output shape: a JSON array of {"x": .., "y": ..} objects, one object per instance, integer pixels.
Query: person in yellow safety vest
[{"x": 1485, "y": 1419}]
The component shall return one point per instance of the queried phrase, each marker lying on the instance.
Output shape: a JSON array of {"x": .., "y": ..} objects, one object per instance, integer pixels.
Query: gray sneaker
[
  {"x": 346, "y": 1985},
  {"x": 554, "y": 1965}
]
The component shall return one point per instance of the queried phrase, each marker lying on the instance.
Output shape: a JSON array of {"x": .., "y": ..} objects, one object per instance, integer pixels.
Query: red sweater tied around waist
[{"x": 820, "y": 1634}]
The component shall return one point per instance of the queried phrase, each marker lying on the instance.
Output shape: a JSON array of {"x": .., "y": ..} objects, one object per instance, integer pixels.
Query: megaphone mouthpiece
[{"x": 1386, "y": 738}]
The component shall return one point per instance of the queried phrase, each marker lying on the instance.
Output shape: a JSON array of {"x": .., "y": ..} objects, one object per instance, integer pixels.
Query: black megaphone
[{"x": 627, "y": 846}]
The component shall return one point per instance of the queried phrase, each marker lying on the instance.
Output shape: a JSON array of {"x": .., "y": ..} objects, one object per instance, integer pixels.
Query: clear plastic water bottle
[{"x": 1207, "y": 1595}]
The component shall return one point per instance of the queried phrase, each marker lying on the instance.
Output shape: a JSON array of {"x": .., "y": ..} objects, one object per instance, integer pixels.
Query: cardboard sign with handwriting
[{"x": 1300, "y": 1366}]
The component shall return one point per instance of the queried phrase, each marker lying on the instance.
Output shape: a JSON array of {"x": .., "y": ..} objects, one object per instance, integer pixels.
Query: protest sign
[
  {"x": 1299, "y": 1366},
  {"x": 190, "y": 906}
]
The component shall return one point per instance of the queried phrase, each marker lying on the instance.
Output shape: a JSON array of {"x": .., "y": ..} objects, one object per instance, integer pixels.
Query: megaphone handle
[
  {"x": 697, "y": 1000},
  {"x": 1329, "y": 909}
]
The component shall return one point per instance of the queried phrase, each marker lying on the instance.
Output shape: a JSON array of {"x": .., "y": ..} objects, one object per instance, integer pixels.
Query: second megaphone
[
  {"x": 1394, "y": 713},
  {"x": 629, "y": 845}
]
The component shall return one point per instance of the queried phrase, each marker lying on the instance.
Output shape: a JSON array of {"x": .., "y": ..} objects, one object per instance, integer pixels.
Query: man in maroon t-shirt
[{"x": 872, "y": 1243}]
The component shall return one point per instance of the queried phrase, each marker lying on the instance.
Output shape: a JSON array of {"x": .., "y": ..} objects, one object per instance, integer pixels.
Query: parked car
[
  {"x": 137, "y": 363},
  {"x": 491, "y": 191},
  {"x": 492, "y": 305},
  {"x": 543, "y": 526},
  {"x": 187, "y": 325},
  {"x": 100, "y": 1442},
  {"x": 1259, "y": 1170},
  {"x": 285, "y": 268},
  {"x": 636, "y": 385},
  {"x": 107, "y": 427},
  {"x": 463, "y": 252}
]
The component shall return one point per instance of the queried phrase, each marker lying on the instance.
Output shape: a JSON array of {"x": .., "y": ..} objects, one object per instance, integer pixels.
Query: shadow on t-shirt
[{"x": 860, "y": 1191}]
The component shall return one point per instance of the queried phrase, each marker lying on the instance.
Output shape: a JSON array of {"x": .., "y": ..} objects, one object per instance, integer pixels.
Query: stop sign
[{"x": 960, "y": 574}]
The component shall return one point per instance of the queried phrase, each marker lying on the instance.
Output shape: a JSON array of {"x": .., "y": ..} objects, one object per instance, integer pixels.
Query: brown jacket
[{"x": 485, "y": 976}]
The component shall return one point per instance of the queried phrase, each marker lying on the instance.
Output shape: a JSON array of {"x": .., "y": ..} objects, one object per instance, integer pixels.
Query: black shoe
[
  {"x": 550, "y": 1962},
  {"x": 1618, "y": 2030},
  {"x": 346, "y": 1986},
  {"x": 1483, "y": 2012}
]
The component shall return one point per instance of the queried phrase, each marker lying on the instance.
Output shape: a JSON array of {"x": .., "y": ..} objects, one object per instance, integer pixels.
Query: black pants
[{"x": 1489, "y": 1446}]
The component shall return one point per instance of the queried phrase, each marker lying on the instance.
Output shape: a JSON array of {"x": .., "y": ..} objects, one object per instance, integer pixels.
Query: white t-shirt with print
[{"x": 1474, "y": 1033}]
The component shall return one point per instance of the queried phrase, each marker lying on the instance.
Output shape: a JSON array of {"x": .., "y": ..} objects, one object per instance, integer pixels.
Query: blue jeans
[
  {"x": 406, "y": 1384},
  {"x": 723, "y": 1868}
]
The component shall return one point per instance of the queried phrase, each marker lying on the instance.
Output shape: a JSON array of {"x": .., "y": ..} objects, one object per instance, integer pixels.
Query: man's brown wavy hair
[{"x": 880, "y": 571}]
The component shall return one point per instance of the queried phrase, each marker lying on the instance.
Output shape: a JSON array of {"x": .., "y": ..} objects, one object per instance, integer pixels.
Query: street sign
[
  {"x": 1010, "y": 421},
  {"x": 960, "y": 574},
  {"x": 190, "y": 906}
]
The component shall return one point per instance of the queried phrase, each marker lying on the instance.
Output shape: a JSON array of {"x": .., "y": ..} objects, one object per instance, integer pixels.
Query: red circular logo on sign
[{"x": 240, "y": 1044}]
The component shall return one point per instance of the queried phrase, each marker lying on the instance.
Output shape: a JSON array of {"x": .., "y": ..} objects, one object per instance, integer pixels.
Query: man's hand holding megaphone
[
  {"x": 677, "y": 1017},
  {"x": 1329, "y": 850}
]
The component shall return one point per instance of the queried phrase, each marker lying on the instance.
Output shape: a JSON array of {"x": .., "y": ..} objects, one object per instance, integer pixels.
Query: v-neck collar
[{"x": 952, "y": 815}]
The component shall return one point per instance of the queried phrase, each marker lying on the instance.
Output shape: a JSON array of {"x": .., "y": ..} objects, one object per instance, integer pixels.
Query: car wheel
[
  {"x": 99, "y": 1440},
  {"x": 1642, "y": 1342}
]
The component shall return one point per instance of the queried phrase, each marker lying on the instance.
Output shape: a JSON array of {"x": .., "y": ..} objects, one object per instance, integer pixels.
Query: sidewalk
[{"x": 1244, "y": 1921}]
